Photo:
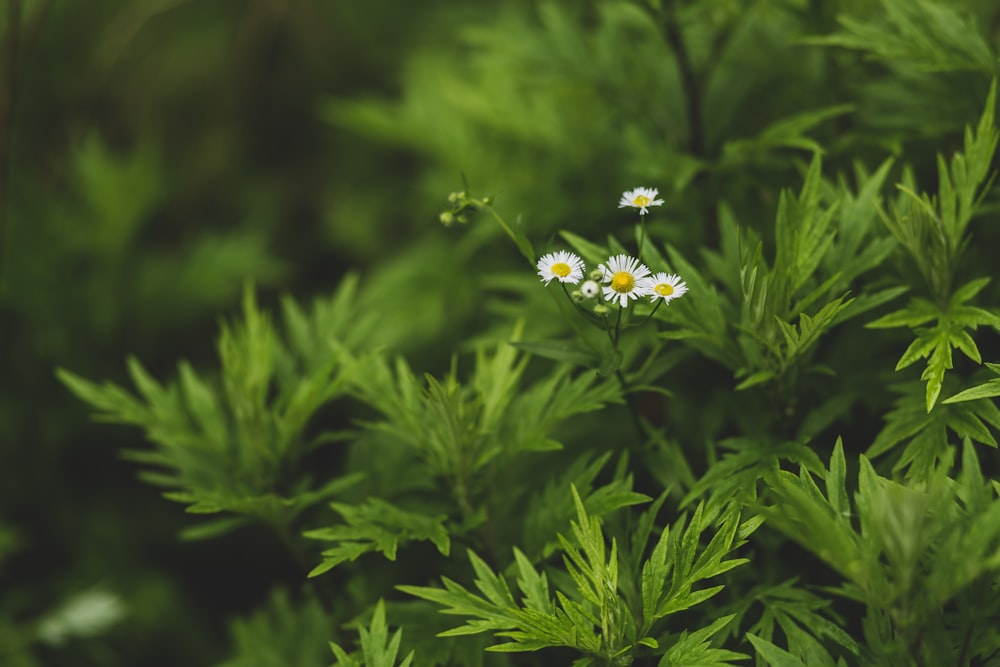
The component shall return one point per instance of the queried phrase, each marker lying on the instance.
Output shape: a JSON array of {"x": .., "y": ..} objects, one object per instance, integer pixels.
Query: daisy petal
[{"x": 562, "y": 266}]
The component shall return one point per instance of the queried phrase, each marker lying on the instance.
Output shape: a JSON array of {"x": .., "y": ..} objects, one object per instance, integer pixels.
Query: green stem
[
  {"x": 521, "y": 242},
  {"x": 633, "y": 410},
  {"x": 613, "y": 335},
  {"x": 583, "y": 311},
  {"x": 651, "y": 313},
  {"x": 642, "y": 235}
]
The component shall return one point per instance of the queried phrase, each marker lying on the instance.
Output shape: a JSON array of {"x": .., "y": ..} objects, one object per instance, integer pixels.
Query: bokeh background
[{"x": 162, "y": 154}]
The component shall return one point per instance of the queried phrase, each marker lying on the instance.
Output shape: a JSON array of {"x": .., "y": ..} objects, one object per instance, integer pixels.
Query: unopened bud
[{"x": 447, "y": 218}]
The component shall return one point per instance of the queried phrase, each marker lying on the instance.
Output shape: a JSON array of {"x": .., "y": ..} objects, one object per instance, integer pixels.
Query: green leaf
[
  {"x": 917, "y": 312},
  {"x": 989, "y": 389},
  {"x": 930, "y": 35},
  {"x": 558, "y": 351},
  {"x": 789, "y": 132},
  {"x": 378, "y": 649},
  {"x": 694, "y": 648},
  {"x": 378, "y": 526},
  {"x": 592, "y": 253},
  {"x": 755, "y": 379},
  {"x": 774, "y": 656}
]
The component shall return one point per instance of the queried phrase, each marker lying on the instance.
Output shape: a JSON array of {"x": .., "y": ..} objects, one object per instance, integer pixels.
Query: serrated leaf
[{"x": 693, "y": 649}]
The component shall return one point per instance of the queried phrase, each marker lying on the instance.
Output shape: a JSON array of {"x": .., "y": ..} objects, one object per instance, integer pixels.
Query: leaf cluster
[
  {"x": 234, "y": 445},
  {"x": 594, "y": 616},
  {"x": 907, "y": 552}
]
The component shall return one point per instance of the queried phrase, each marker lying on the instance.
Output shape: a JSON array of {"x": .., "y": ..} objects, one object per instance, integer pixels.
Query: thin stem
[
  {"x": 583, "y": 311},
  {"x": 620, "y": 376},
  {"x": 651, "y": 313},
  {"x": 618, "y": 327},
  {"x": 501, "y": 221},
  {"x": 521, "y": 242},
  {"x": 632, "y": 409},
  {"x": 642, "y": 235},
  {"x": 966, "y": 643}
]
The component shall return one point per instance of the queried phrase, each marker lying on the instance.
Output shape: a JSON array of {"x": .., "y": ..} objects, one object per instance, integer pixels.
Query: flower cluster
[{"x": 624, "y": 278}]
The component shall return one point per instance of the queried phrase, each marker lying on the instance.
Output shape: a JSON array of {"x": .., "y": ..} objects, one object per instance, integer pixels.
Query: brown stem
[
  {"x": 8, "y": 87},
  {"x": 689, "y": 80}
]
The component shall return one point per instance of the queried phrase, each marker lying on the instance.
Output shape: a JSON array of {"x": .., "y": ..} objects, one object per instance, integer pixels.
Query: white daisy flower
[
  {"x": 589, "y": 289},
  {"x": 563, "y": 266},
  {"x": 666, "y": 287},
  {"x": 640, "y": 198},
  {"x": 626, "y": 278}
]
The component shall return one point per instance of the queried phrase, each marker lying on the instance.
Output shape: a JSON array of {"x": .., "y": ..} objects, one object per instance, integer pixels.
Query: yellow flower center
[
  {"x": 561, "y": 269},
  {"x": 641, "y": 201},
  {"x": 622, "y": 282},
  {"x": 664, "y": 289}
]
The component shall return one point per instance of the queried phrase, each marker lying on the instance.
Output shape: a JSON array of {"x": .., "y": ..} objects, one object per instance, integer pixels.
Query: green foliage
[
  {"x": 904, "y": 550},
  {"x": 376, "y": 526},
  {"x": 804, "y": 618},
  {"x": 400, "y": 386},
  {"x": 924, "y": 33},
  {"x": 593, "y": 617},
  {"x": 934, "y": 233},
  {"x": 230, "y": 446},
  {"x": 287, "y": 633},
  {"x": 926, "y": 434},
  {"x": 377, "y": 648},
  {"x": 988, "y": 389},
  {"x": 820, "y": 250},
  {"x": 949, "y": 332},
  {"x": 458, "y": 429}
]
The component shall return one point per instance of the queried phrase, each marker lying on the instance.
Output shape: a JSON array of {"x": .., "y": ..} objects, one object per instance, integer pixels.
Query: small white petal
[
  {"x": 666, "y": 287},
  {"x": 640, "y": 198},
  {"x": 626, "y": 278},
  {"x": 562, "y": 266}
]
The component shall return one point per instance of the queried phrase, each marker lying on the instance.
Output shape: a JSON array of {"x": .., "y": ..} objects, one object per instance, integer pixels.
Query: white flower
[
  {"x": 640, "y": 198},
  {"x": 589, "y": 289},
  {"x": 666, "y": 287},
  {"x": 626, "y": 279},
  {"x": 563, "y": 266}
]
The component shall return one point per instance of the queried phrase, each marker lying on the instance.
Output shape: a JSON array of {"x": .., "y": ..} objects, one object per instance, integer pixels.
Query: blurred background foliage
[{"x": 161, "y": 154}]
